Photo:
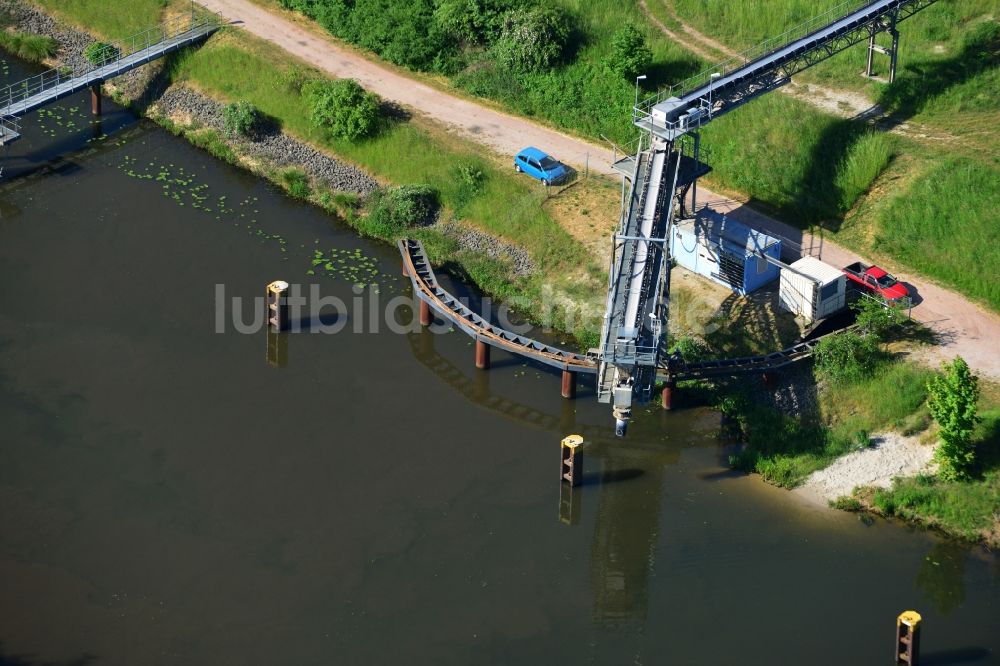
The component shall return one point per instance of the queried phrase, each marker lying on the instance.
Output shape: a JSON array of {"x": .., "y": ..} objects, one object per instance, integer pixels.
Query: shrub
[
  {"x": 343, "y": 108},
  {"x": 848, "y": 356},
  {"x": 630, "y": 56},
  {"x": 98, "y": 53},
  {"x": 846, "y": 504},
  {"x": 691, "y": 349},
  {"x": 532, "y": 39},
  {"x": 401, "y": 208},
  {"x": 241, "y": 119},
  {"x": 953, "y": 397},
  {"x": 469, "y": 178}
]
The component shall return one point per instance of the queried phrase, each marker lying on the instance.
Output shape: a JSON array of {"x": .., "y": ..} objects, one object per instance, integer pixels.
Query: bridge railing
[
  {"x": 108, "y": 55},
  {"x": 9, "y": 129},
  {"x": 704, "y": 78}
]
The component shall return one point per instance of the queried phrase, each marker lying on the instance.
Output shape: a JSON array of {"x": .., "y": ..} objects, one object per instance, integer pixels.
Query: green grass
[
  {"x": 934, "y": 34},
  {"x": 34, "y": 48},
  {"x": 121, "y": 20},
  {"x": 944, "y": 225},
  {"x": 784, "y": 449},
  {"x": 969, "y": 509},
  {"x": 806, "y": 165}
]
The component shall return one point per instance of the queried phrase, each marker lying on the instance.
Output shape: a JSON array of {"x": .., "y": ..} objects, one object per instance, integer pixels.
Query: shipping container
[{"x": 812, "y": 289}]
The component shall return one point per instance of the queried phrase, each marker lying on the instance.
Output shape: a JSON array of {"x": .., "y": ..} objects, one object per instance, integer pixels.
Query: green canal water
[{"x": 171, "y": 497}]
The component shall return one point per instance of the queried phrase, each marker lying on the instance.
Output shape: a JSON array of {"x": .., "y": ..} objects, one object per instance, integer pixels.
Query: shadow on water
[
  {"x": 611, "y": 476},
  {"x": 969, "y": 655},
  {"x": 30, "y": 660},
  {"x": 318, "y": 322}
]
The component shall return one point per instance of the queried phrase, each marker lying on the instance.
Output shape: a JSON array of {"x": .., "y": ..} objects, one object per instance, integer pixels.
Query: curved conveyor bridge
[{"x": 427, "y": 289}]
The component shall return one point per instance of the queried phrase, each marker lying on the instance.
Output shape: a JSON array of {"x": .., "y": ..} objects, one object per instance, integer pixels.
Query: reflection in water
[
  {"x": 621, "y": 553},
  {"x": 277, "y": 348},
  {"x": 477, "y": 390},
  {"x": 942, "y": 576},
  {"x": 630, "y": 482}
]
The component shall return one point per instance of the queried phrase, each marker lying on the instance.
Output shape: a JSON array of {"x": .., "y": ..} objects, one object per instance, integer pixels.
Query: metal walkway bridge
[
  {"x": 771, "y": 64},
  {"x": 34, "y": 92}
]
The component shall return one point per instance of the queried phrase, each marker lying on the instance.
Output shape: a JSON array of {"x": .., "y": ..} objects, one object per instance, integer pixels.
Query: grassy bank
[
  {"x": 33, "y": 48},
  {"x": 785, "y": 449},
  {"x": 968, "y": 509},
  {"x": 807, "y": 166},
  {"x": 96, "y": 16}
]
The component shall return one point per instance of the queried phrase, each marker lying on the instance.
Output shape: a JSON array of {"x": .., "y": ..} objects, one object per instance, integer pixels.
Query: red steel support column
[
  {"x": 425, "y": 313},
  {"x": 406, "y": 273},
  {"x": 568, "y": 384},
  {"x": 482, "y": 355},
  {"x": 667, "y": 397},
  {"x": 95, "y": 99}
]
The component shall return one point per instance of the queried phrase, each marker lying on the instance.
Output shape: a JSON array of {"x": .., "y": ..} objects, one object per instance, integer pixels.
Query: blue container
[{"x": 725, "y": 251}]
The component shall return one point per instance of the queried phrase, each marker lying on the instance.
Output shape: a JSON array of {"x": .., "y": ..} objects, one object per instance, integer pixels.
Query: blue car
[{"x": 538, "y": 165}]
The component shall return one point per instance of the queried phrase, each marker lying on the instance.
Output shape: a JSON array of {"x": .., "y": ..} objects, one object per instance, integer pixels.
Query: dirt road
[{"x": 965, "y": 328}]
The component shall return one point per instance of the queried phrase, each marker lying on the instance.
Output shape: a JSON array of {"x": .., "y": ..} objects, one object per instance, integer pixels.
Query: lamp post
[
  {"x": 711, "y": 82},
  {"x": 641, "y": 77}
]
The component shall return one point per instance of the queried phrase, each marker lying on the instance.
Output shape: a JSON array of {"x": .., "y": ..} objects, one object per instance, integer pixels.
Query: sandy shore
[{"x": 889, "y": 456}]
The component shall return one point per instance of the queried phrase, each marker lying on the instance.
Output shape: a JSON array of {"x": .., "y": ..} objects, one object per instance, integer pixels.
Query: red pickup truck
[{"x": 877, "y": 281}]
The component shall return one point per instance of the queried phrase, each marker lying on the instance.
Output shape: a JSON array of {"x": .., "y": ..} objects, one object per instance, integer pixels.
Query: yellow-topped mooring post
[
  {"x": 570, "y": 473},
  {"x": 571, "y": 465},
  {"x": 908, "y": 638},
  {"x": 277, "y": 305}
]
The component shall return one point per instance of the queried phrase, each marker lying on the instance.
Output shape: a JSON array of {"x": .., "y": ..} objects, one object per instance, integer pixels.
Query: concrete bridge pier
[
  {"x": 482, "y": 355},
  {"x": 95, "y": 99},
  {"x": 568, "y": 384}
]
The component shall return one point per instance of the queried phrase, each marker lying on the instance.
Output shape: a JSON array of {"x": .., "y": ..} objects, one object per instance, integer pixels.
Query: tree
[
  {"x": 343, "y": 108},
  {"x": 630, "y": 56},
  {"x": 953, "y": 397},
  {"x": 532, "y": 39},
  {"x": 241, "y": 119}
]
